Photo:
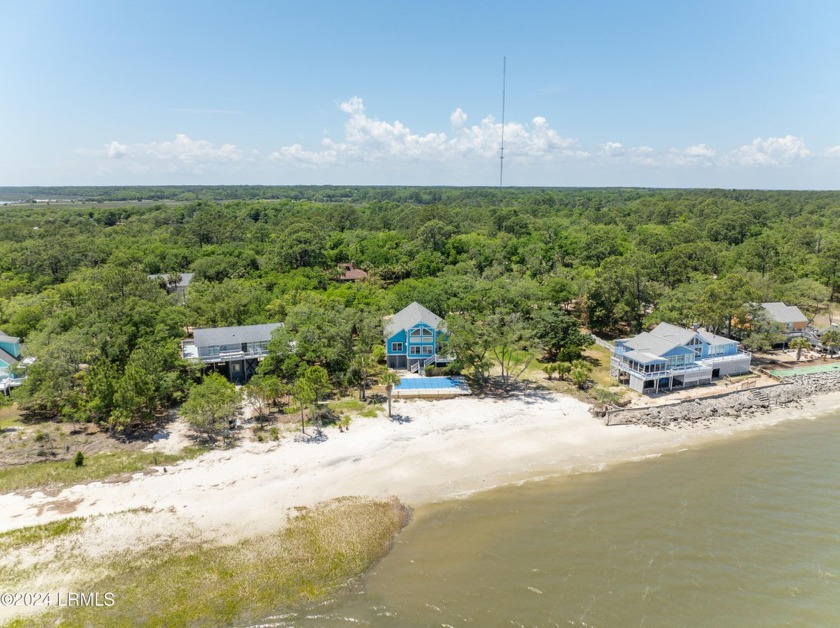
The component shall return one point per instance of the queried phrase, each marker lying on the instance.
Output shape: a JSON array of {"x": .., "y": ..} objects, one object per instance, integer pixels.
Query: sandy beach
[{"x": 435, "y": 450}]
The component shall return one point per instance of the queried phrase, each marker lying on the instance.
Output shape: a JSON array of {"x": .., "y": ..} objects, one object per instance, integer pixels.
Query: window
[
  {"x": 422, "y": 334},
  {"x": 414, "y": 350},
  {"x": 396, "y": 347},
  {"x": 427, "y": 350}
]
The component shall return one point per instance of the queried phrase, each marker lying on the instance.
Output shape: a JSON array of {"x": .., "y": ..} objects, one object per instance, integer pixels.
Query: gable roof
[
  {"x": 231, "y": 335},
  {"x": 667, "y": 338},
  {"x": 651, "y": 344},
  {"x": 410, "y": 316},
  {"x": 8, "y": 358},
  {"x": 4, "y": 337},
  {"x": 785, "y": 314}
]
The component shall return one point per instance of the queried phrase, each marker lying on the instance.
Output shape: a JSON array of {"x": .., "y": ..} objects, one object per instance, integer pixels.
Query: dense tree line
[{"x": 514, "y": 270}]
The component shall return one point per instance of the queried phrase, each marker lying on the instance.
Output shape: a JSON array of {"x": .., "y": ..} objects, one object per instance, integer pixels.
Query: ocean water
[{"x": 744, "y": 532}]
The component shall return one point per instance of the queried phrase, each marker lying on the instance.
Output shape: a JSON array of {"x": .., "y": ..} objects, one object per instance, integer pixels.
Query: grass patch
[
  {"x": 96, "y": 467},
  {"x": 354, "y": 406},
  {"x": 347, "y": 406},
  {"x": 38, "y": 534},
  {"x": 371, "y": 411},
  {"x": 10, "y": 416},
  {"x": 318, "y": 551},
  {"x": 599, "y": 358}
]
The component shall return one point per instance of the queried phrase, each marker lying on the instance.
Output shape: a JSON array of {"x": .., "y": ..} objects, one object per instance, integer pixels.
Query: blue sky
[{"x": 599, "y": 93}]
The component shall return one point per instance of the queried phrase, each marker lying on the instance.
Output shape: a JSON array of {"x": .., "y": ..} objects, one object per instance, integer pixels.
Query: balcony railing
[
  {"x": 699, "y": 365},
  {"x": 189, "y": 350}
]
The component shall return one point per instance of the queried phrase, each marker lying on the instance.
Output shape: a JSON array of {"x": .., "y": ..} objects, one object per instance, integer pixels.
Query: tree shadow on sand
[
  {"x": 315, "y": 436},
  {"x": 401, "y": 418}
]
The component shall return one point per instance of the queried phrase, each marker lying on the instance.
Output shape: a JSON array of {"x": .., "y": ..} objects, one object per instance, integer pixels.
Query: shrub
[
  {"x": 79, "y": 460},
  {"x": 275, "y": 433}
]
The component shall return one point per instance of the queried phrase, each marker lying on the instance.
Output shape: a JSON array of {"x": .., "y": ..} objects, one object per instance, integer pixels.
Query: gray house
[
  {"x": 788, "y": 316},
  {"x": 233, "y": 351}
]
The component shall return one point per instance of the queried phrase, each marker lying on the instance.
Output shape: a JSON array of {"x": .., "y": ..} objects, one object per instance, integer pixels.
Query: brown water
[{"x": 744, "y": 532}]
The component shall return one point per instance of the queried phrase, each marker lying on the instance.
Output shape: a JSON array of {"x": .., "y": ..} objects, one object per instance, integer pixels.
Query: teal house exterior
[
  {"x": 414, "y": 339},
  {"x": 9, "y": 354}
]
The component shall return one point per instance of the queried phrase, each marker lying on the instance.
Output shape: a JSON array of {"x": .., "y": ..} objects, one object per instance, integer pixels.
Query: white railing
[{"x": 415, "y": 367}]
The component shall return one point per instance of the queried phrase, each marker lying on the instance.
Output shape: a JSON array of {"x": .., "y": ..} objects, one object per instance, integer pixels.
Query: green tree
[
  {"x": 390, "y": 380},
  {"x": 210, "y": 406},
  {"x": 831, "y": 339},
  {"x": 800, "y": 344},
  {"x": 304, "y": 395},
  {"x": 558, "y": 334}
]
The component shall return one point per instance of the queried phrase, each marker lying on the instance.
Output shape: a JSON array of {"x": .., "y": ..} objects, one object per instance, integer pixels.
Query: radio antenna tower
[{"x": 502, "y": 153}]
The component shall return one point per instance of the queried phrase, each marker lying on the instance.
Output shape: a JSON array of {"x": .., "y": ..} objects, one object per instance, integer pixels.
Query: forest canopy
[{"x": 74, "y": 285}]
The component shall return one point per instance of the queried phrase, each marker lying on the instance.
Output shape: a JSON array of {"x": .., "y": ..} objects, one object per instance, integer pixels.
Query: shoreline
[{"x": 437, "y": 451}]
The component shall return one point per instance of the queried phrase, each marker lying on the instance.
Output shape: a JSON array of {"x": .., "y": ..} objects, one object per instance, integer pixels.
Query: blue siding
[
  {"x": 12, "y": 348},
  {"x": 398, "y": 337}
]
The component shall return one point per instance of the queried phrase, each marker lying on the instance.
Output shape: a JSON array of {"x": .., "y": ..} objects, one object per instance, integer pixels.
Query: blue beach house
[
  {"x": 414, "y": 339},
  {"x": 669, "y": 357}
]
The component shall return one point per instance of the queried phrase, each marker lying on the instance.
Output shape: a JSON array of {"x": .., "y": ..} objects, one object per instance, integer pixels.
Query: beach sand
[{"x": 435, "y": 450}]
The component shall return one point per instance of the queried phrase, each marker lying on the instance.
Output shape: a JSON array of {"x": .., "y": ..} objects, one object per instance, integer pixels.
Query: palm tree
[
  {"x": 831, "y": 339},
  {"x": 390, "y": 379},
  {"x": 799, "y": 344}
]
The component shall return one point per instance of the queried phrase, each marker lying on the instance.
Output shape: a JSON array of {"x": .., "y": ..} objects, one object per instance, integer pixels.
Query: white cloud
[
  {"x": 771, "y": 152},
  {"x": 183, "y": 153},
  {"x": 370, "y": 139},
  {"x": 375, "y": 150},
  {"x": 117, "y": 150}
]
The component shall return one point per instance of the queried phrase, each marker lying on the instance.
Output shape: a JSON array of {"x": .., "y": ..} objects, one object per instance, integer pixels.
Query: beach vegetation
[
  {"x": 97, "y": 467},
  {"x": 210, "y": 407},
  {"x": 31, "y": 535},
  {"x": 307, "y": 559}
]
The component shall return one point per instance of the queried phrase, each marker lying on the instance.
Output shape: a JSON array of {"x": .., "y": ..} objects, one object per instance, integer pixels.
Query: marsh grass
[
  {"x": 96, "y": 467},
  {"x": 201, "y": 585},
  {"x": 30, "y": 535}
]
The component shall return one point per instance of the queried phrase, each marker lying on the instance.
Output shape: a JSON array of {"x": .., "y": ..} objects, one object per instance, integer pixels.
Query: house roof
[
  {"x": 651, "y": 344},
  {"x": 352, "y": 273},
  {"x": 231, "y": 335},
  {"x": 4, "y": 337},
  {"x": 410, "y": 316},
  {"x": 186, "y": 278},
  {"x": 643, "y": 357},
  {"x": 8, "y": 358},
  {"x": 665, "y": 338},
  {"x": 785, "y": 314}
]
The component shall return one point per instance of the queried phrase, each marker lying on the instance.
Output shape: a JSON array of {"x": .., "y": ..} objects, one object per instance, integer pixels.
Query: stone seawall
[{"x": 736, "y": 404}]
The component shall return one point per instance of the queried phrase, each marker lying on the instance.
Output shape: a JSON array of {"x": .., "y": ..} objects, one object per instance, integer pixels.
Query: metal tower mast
[{"x": 502, "y": 153}]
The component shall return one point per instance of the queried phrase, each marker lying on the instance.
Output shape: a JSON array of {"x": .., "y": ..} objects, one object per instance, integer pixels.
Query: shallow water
[{"x": 744, "y": 532}]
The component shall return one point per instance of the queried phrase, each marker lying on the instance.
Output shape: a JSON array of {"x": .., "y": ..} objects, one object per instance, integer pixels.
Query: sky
[{"x": 734, "y": 94}]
